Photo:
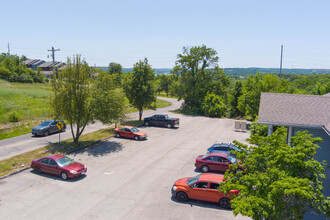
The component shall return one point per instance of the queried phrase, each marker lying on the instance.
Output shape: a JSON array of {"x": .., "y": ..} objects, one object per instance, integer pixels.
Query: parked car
[
  {"x": 203, "y": 187},
  {"x": 60, "y": 165},
  {"x": 215, "y": 161},
  {"x": 130, "y": 132},
  {"x": 161, "y": 120},
  {"x": 48, "y": 127},
  {"x": 223, "y": 147}
]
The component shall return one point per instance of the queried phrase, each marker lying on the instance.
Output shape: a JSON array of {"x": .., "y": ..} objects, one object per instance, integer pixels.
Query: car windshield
[
  {"x": 134, "y": 129},
  {"x": 45, "y": 123},
  {"x": 236, "y": 148},
  {"x": 193, "y": 179},
  {"x": 203, "y": 157},
  {"x": 231, "y": 158},
  {"x": 64, "y": 161}
]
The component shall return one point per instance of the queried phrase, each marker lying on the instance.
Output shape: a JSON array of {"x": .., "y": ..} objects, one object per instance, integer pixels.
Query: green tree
[
  {"x": 107, "y": 101},
  {"x": 139, "y": 87},
  {"x": 194, "y": 68},
  {"x": 214, "y": 106},
  {"x": 233, "y": 99},
  {"x": 116, "y": 70},
  {"x": 281, "y": 181},
  {"x": 72, "y": 99}
]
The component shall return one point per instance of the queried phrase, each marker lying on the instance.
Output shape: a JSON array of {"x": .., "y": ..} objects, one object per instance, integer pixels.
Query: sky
[{"x": 244, "y": 33}]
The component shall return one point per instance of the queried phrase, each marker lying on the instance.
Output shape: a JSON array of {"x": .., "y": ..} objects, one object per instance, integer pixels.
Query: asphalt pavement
[{"x": 21, "y": 144}]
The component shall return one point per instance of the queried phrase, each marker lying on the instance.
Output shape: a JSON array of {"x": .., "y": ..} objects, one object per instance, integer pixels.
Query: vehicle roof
[
  {"x": 223, "y": 154},
  {"x": 211, "y": 177},
  {"x": 127, "y": 127},
  {"x": 161, "y": 114},
  {"x": 54, "y": 156},
  {"x": 222, "y": 144}
]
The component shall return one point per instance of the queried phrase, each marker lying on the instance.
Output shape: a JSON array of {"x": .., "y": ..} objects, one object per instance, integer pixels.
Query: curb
[{"x": 70, "y": 152}]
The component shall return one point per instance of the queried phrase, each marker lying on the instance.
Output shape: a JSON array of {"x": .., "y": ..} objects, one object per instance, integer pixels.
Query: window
[
  {"x": 200, "y": 185},
  {"x": 213, "y": 158},
  {"x": 45, "y": 161},
  {"x": 223, "y": 160},
  {"x": 214, "y": 185},
  {"x": 122, "y": 129},
  {"x": 52, "y": 162}
]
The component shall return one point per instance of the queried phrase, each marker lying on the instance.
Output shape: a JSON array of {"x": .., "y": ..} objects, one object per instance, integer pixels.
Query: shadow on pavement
[{"x": 102, "y": 148}]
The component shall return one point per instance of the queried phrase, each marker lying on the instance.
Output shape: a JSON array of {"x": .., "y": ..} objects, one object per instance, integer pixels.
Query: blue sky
[{"x": 244, "y": 33}]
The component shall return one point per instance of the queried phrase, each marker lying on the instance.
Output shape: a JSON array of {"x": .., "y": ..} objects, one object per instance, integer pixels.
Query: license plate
[{"x": 82, "y": 173}]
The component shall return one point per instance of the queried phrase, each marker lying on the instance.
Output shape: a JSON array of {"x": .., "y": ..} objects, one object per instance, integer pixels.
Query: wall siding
[{"x": 323, "y": 153}]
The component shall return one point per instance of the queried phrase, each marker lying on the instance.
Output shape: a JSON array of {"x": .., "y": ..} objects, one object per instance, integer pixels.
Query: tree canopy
[
  {"x": 140, "y": 88},
  {"x": 281, "y": 181}
]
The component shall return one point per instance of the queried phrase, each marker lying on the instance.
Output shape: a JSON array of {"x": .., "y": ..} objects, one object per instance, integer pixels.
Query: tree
[
  {"x": 194, "y": 68},
  {"x": 139, "y": 87},
  {"x": 233, "y": 99},
  {"x": 72, "y": 100},
  {"x": 281, "y": 181},
  {"x": 214, "y": 106},
  {"x": 116, "y": 70},
  {"x": 107, "y": 100}
]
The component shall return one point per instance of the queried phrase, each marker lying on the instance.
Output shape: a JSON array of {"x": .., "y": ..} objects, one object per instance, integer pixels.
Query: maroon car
[
  {"x": 58, "y": 165},
  {"x": 215, "y": 161}
]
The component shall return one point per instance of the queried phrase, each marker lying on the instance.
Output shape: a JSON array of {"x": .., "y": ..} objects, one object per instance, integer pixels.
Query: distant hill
[{"x": 244, "y": 71}]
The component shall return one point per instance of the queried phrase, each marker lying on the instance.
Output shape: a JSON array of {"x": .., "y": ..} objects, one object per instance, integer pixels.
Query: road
[
  {"x": 17, "y": 145},
  {"x": 126, "y": 179}
]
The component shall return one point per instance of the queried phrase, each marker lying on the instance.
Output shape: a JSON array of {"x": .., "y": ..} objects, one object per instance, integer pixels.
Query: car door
[
  {"x": 123, "y": 132},
  {"x": 213, "y": 163},
  {"x": 223, "y": 164},
  {"x": 129, "y": 132},
  {"x": 213, "y": 195},
  {"x": 53, "y": 167},
  {"x": 44, "y": 165},
  {"x": 153, "y": 120},
  {"x": 199, "y": 191},
  {"x": 53, "y": 128}
]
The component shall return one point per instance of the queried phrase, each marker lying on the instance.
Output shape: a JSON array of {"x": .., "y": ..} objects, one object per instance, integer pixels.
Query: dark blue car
[{"x": 223, "y": 147}]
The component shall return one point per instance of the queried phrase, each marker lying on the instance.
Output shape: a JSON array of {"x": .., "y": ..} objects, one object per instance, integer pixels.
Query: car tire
[
  {"x": 182, "y": 196},
  {"x": 46, "y": 133},
  {"x": 64, "y": 176},
  {"x": 169, "y": 125},
  {"x": 225, "y": 203},
  {"x": 146, "y": 123},
  {"x": 37, "y": 169},
  {"x": 117, "y": 135},
  {"x": 136, "y": 138},
  {"x": 205, "y": 169}
]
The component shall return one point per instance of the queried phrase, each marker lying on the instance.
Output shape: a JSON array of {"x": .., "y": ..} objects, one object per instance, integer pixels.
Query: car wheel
[
  {"x": 46, "y": 133},
  {"x": 169, "y": 125},
  {"x": 117, "y": 135},
  {"x": 64, "y": 176},
  {"x": 182, "y": 196},
  {"x": 225, "y": 203},
  {"x": 136, "y": 138},
  {"x": 146, "y": 123},
  {"x": 205, "y": 169},
  {"x": 63, "y": 130},
  {"x": 37, "y": 169}
]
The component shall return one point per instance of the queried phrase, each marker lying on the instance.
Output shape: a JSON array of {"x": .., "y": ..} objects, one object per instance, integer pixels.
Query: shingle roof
[{"x": 293, "y": 109}]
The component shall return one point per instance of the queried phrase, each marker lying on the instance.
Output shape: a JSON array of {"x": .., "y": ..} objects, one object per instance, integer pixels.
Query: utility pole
[
  {"x": 281, "y": 61},
  {"x": 54, "y": 71},
  {"x": 8, "y": 50}
]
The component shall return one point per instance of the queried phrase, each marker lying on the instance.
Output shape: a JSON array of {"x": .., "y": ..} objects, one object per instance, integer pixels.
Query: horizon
[{"x": 244, "y": 34}]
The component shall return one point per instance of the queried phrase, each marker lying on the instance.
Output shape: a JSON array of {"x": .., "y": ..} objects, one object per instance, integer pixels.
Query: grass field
[{"x": 25, "y": 105}]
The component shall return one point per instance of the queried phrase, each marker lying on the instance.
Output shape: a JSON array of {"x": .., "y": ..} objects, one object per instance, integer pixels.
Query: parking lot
[{"x": 126, "y": 179}]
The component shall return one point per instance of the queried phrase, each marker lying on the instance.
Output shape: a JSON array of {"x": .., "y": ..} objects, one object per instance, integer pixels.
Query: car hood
[
  {"x": 39, "y": 127},
  {"x": 182, "y": 182},
  {"x": 140, "y": 133},
  {"x": 74, "y": 166},
  {"x": 199, "y": 157}
]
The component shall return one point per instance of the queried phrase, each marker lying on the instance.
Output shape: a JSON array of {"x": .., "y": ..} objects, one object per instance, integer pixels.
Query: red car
[
  {"x": 59, "y": 165},
  {"x": 130, "y": 132},
  {"x": 203, "y": 187},
  {"x": 215, "y": 161}
]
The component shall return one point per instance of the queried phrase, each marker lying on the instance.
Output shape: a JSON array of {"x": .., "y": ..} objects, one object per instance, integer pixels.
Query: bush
[
  {"x": 13, "y": 116},
  {"x": 214, "y": 106}
]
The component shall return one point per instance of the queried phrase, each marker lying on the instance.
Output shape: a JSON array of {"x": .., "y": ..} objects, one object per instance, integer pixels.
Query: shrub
[
  {"x": 13, "y": 116},
  {"x": 214, "y": 106}
]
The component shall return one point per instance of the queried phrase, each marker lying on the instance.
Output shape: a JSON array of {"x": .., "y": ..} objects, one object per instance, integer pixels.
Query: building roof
[
  {"x": 295, "y": 110},
  {"x": 50, "y": 64}
]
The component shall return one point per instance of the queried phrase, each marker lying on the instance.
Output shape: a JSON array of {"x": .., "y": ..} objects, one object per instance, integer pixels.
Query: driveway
[
  {"x": 126, "y": 179},
  {"x": 17, "y": 145}
]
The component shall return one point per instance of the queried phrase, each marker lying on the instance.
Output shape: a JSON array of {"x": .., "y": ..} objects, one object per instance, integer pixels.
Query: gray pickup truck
[{"x": 161, "y": 120}]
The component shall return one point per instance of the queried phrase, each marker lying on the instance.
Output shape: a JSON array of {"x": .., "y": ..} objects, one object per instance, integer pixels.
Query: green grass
[{"x": 163, "y": 94}]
